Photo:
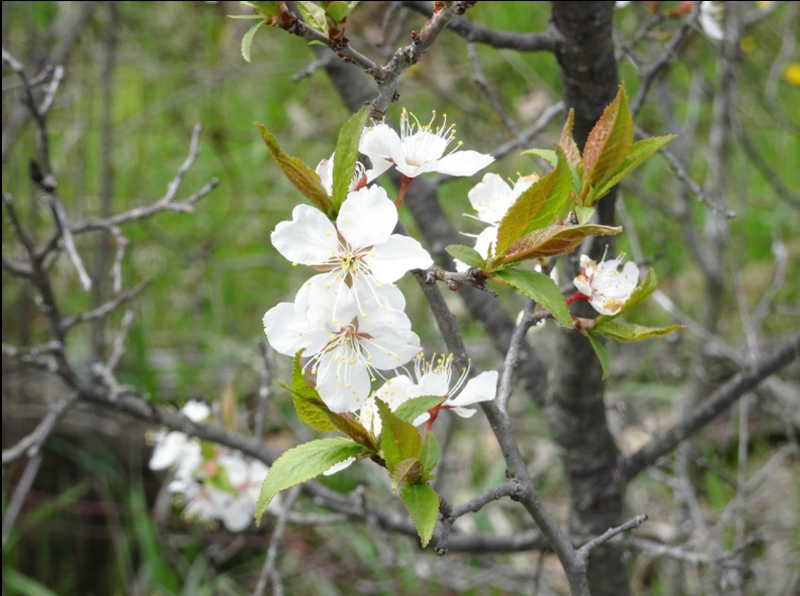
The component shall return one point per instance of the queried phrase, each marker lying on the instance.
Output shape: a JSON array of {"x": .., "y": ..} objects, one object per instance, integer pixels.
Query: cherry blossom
[
  {"x": 361, "y": 176},
  {"x": 420, "y": 148},
  {"x": 491, "y": 198},
  {"x": 360, "y": 252},
  {"x": 606, "y": 286},
  {"x": 348, "y": 342},
  {"x": 176, "y": 449}
]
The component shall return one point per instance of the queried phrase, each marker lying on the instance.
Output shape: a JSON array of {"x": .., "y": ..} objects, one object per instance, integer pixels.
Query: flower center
[{"x": 424, "y": 142}]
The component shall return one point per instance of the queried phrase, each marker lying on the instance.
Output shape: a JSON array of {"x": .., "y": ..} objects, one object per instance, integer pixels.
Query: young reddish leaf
[
  {"x": 553, "y": 240},
  {"x": 299, "y": 174},
  {"x": 399, "y": 439},
  {"x": 609, "y": 142},
  {"x": 409, "y": 471},
  {"x": 468, "y": 255},
  {"x": 567, "y": 143},
  {"x": 541, "y": 288},
  {"x": 346, "y": 155},
  {"x": 304, "y": 463},
  {"x": 639, "y": 152},
  {"x": 602, "y": 355},
  {"x": 521, "y": 218},
  {"x": 625, "y": 332},
  {"x": 422, "y": 503}
]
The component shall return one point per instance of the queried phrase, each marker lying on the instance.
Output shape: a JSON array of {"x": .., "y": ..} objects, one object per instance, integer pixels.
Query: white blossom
[
  {"x": 420, "y": 148},
  {"x": 605, "y": 284}
]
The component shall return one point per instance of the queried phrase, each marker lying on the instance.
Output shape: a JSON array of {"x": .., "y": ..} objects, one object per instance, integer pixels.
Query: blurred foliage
[{"x": 214, "y": 272}]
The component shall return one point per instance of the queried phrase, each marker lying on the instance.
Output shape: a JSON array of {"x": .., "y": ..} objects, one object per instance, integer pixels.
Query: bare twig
[
  {"x": 512, "y": 357},
  {"x": 264, "y": 390},
  {"x": 474, "y": 277},
  {"x": 480, "y": 79},
  {"x": 18, "y": 498},
  {"x": 631, "y": 524},
  {"x": 30, "y": 444},
  {"x": 104, "y": 309},
  {"x": 269, "y": 571},
  {"x": 718, "y": 402}
]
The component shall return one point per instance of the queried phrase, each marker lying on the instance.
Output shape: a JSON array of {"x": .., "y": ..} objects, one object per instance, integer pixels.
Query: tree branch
[{"x": 719, "y": 401}]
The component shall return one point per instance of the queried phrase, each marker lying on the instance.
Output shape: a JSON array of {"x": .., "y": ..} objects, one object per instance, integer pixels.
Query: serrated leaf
[
  {"x": 314, "y": 16},
  {"x": 399, "y": 439},
  {"x": 312, "y": 410},
  {"x": 408, "y": 471},
  {"x": 411, "y": 409},
  {"x": 639, "y": 152},
  {"x": 346, "y": 155},
  {"x": 602, "y": 355},
  {"x": 430, "y": 452},
  {"x": 468, "y": 255},
  {"x": 299, "y": 174},
  {"x": 567, "y": 143},
  {"x": 609, "y": 141},
  {"x": 304, "y": 463},
  {"x": 546, "y": 154},
  {"x": 537, "y": 206},
  {"x": 541, "y": 288},
  {"x": 584, "y": 214},
  {"x": 625, "y": 332},
  {"x": 422, "y": 503},
  {"x": 646, "y": 287},
  {"x": 553, "y": 240},
  {"x": 338, "y": 11},
  {"x": 247, "y": 40}
]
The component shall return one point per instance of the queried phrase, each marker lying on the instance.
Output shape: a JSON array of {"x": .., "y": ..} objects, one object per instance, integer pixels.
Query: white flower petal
[
  {"x": 309, "y": 238},
  {"x": 460, "y": 163},
  {"x": 398, "y": 254},
  {"x": 196, "y": 411},
  {"x": 367, "y": 217},
  {"x": 339, "y": 467},
  {"x": 481, "y": 388}
]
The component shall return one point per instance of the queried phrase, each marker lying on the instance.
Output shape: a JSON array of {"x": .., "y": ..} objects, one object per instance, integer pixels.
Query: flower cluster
[
  {"x": 349, "y": 318},
  {"x": 213, "y": 482}
]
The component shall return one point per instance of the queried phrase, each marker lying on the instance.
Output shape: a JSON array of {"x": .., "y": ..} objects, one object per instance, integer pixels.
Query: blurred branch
[
  {"x": 522, "y": 42},
  {"x": 480, "y": 79},
  {"x": 104, "y": 309},
  {"x": 269, "y": 572},
  {"x": 31, "y": 444},
  {"x": 717, "y": 403},
  {"x": 18, "y": 498},
  {"x": 631, "y": 524}
]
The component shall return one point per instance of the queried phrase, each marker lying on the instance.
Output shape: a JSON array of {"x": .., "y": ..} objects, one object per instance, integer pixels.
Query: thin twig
[
  {"x": 18, "y": 498},
  {"x": 480, "y": 79},
  {"x": 269, "y": 571},
  {"x": 512, "y": 357},
  {"x": 31, "y": 444},
  {"x": 610, "y": 533},
  {"x": 105, "y": 309}
]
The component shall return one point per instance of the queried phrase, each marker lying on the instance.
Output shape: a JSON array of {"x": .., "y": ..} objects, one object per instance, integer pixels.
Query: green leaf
[
  {"x": 546, "y": 154},
  {"x": 346, "y": 155},
  {"x": 422, "y": 503},
  {"x": 247, "y": 40},
  {"x": 339, "y": 11},
  {"x": 638, "y": 153},
  {"x": 625, "y": 332},
  {"x": 646, "y": 287},
  {"x": 430, "y": 452},
  {"x": 265, "y": 9},
  {"x": 314, "y": 16},
  {"x": 584, "y": 214},
  {"x": 399, "y": 439},
  {"x": 299, "y": 174},
  {"x": 246, "y": 17},
  {"x": 411, "y": 409},
  {"x": 468, "y": 255},
  {"x": 553, "y": 240},
  {"x": 567, "y": 143},
  {"x": 546, "y": 195},
  {"x": 540, "y": 288},
  {"x": 304, "y": 463},
  {"x": 18, "y": 583},
  {"x": 609, "y": 141},
  {"x": 602, "y": 355},
  {"x": 408, "y": 471},
  {"x": 312, "y": 410}
]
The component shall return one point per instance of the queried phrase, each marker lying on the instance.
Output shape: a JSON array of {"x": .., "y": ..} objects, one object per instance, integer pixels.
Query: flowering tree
[{"x": 358, "y": 366}]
